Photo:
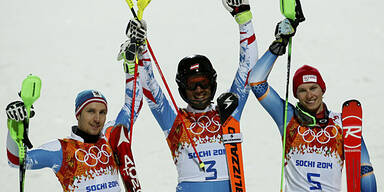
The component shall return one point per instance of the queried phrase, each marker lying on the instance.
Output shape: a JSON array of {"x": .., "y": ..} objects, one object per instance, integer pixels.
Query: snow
[{"x": 72, "y": 45}]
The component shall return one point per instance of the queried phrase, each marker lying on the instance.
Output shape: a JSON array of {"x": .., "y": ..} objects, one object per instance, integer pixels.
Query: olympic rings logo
[
  {"x": 198, "y": 126},
  {"x": 323, "y": 136},
  {"x": 94, "y": 155}
]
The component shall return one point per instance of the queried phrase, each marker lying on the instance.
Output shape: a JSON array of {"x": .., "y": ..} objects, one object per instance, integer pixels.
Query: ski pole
[
  {"x": 291, "y": 9},
  {"x": 285, "y": 114},
  {"x": 30, "y": 92},
  {"x": 142, "y": 4},
  {"x": 130, "y": 4}
]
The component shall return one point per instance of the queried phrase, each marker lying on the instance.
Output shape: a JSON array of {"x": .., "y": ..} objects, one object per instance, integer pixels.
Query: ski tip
[{"x": 347, "y": 103}]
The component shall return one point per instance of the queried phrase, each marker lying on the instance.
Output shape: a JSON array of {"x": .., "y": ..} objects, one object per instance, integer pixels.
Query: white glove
[
  {"x": 284, "y": 29},
  {"x": 236, "y": 6},
  {"x": 16, "y": 111},
  {"x": 239, "y": 9}
]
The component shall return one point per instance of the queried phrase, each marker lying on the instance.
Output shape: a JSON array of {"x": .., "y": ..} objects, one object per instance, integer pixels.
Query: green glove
[{"x": 128, "y": 53}]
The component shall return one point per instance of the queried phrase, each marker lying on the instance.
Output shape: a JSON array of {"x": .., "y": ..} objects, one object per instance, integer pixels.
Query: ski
[
  {"x": 121, "y": 147},
  {"x": 352, "y": 124},
  {"x": 232, "y": 138}
]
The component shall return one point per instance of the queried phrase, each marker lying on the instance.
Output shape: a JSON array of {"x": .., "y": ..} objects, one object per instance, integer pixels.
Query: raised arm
[
  {"x": 146, "y": 85},
  {"x": 266, "y": 95},
  {"x": 161, "y": 109},
  {"x": 48, "y": 155},
  {"x": 240, "y": 10},
  {"x": 124, "y": 116}
]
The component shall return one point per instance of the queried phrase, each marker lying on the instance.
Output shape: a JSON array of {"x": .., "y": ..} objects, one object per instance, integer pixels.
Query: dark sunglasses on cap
[{"x": 201, "y": 81}]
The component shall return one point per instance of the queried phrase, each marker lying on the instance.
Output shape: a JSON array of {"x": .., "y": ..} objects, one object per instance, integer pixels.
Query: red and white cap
[
  {"x": 307, "y": 74},
  {"x": 86, "y": 97}
]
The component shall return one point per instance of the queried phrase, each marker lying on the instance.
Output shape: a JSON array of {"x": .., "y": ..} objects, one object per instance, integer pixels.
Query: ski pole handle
[
  {"x": 141, "y": 5},
  {"x": 30, "y": 92},
  {"x": 291, "y": 9}
]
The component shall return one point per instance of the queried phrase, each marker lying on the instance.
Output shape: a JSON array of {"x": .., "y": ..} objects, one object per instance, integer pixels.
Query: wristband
[{"x": 243, "y": 17}]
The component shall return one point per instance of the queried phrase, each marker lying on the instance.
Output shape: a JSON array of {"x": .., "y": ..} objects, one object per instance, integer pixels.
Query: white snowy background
[{"x": 72, "y": 45}]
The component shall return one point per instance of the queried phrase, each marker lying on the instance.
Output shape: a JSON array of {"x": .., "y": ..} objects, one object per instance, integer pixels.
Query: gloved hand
[
  {"x": 16, "y": 111},
  {"x": 284, "y": 30},
  {"x": 239, "y": 9},
  {"x": 128, "y": 51},
  {"x": 137, "y": 31}
]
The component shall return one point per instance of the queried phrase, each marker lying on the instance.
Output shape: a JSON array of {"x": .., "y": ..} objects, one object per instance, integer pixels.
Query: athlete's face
[
  {"x": 198, "y": 91},
  {"x": 310, "y": 96},
  {"x": 92, "y": 118}
]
